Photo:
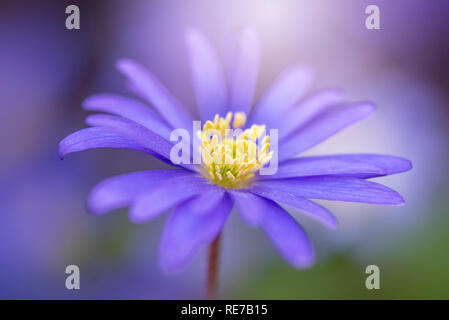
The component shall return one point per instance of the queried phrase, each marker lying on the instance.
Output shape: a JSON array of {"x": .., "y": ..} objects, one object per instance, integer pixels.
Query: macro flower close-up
[
  {"x": 247, "y": 150},
  {"x": 243, "y": 152}
]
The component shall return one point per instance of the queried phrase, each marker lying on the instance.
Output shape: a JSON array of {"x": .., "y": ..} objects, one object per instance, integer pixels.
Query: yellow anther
[
  {"x": 228, "y": 118},
  {"x": 208, "y": 125},
  {"x": 239, "y": 120},
  {"x": 266, "y": 139},
  {"x": 230, "y": 176}
]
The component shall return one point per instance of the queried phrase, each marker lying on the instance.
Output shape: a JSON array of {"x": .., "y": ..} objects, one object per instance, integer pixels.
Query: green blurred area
[{"x": 416, "y": 267}]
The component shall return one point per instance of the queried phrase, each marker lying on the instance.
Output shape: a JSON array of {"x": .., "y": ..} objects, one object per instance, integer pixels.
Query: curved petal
[
  {"x": 206, "y": 201},
  {"x": 91, "y": 138},
  {"x": 120, "y": 191},
  {"x": 150, "y": 89},
  {"x": 135, "y": 132},
  {"x": 208, "y": 76},
  {"x": 186, "y": 231},
  {"x": 130, "y": 109},
  {"x": 322, "y": 127},
  {"x": 389, "y": 164},
  {"x": 167, "y": 195},
  {"x": 286, "y": 90},
  {"x": 250, "y": 206},
  {"x": 244, "y": 70},
  {"x": 331, "y": 188},
  {"x": 340, "y": 165},
  {"x": 309, "y": 208},
  {"x": 300, "y": 113},
  {"x": 285, "y": 233}
]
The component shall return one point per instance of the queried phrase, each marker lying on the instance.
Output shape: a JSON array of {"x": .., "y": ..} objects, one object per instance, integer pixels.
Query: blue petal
[
  {"x": 286, "y": 90},
  {"x": 150, "y": 89},
  {"x": 135, "y": 132},
  {"x": 341, "y": 165},
  {"x": 130, "y": 109},
  {"x": 284, "y": 232},
  {"x": 189, "y": 228},
  {"x": 244, "y": 69},
  {"x": 167, "y": 195},
  {"x": 208, "y": 76},
  {"x": 120, "y": 191},
  {"x": 389, "y": 164},
  {"x": 250, "y": 207},
  {"x": 307, "y": 207},
  {"x": 322, "y": 127},
  {"x": 331, "y": 188},
  {"x": 305, "y": 110},
  {"x": 91, "y": 138}
]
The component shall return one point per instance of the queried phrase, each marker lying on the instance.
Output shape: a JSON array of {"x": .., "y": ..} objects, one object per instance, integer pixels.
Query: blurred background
[{"x": 46, "y": 71}]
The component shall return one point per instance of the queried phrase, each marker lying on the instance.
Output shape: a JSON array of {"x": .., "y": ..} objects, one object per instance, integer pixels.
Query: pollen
[{"x": 232, "y": 156}]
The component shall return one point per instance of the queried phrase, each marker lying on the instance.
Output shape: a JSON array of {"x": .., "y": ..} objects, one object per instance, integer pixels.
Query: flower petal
[
  {"x": 186, "y": 231},
  {"x": 244, "y": 70},
  {"x": 91, "y": 138},
  {"x": 120, "y": 191},
  {"x": 331, "y": 188},
  {"x": 340, "y": 165},
  {"x": 389, "y": 164},
  {"x": 135, "y": 132},
  {"x": 300, "y": 113},
  {"x": 208, "y": 76},
  {"x": 206, "y": 201},
  {"x": 130, "y": 109},
  {"x": 150, "y": 89},
  {"x": 286, "y": 234},
  {"x": 167, "y": 194},
  {"x": 250, "y": 206},
  {"x": 286, "y": 90},
  {"x": 309, "y": 208},
  {"x": 322, "y": 127}
]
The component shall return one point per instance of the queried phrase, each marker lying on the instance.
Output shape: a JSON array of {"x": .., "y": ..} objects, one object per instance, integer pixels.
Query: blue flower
[{"x": 203, "y": 195}]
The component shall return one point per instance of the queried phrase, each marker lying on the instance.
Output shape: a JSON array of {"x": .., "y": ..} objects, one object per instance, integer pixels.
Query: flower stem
[{"x": 212, "y": 269}]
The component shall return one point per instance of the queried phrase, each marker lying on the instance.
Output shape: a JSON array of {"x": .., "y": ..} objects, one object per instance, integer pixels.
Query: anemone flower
[{"x": 203, "y": 194}]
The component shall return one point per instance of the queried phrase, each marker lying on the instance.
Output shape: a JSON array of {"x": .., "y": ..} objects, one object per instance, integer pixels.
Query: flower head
[{"x": 234, "y": 147}]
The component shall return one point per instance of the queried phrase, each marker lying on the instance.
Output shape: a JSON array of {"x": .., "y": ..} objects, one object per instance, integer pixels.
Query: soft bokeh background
[{"x": 46, "y": 71}]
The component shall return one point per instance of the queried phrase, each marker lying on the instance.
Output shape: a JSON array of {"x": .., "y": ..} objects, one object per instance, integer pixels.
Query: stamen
[
  {"x": 231, "y": 159},
  {"x": 239, "y": 120}
]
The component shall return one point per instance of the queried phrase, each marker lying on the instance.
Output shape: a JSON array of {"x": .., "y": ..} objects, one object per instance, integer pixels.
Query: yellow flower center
[{"x": 232, "y": 156}]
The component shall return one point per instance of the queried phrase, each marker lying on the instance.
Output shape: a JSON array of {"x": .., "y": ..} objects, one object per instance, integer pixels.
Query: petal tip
[
  {"x": 137, "y": 215},
  {"x": 408, "y": 165},
  {"x": 62, "y": 150},
  {"x": 124, "y": 65},
  {"x": 170, "y": 268},
  {"x": 400, "y": 202},
  {"x": 370, "y": 107},
  {"x": 92, "y": 101},
  {"x": 396, "y": 200},
  {"x": 93, "y": 203},
  {"x": 332, "y": 225},
  {"x": 91, "y": 210},
  {"x": 305, "y": 262},
  {"x": 136, "y": 218}
]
